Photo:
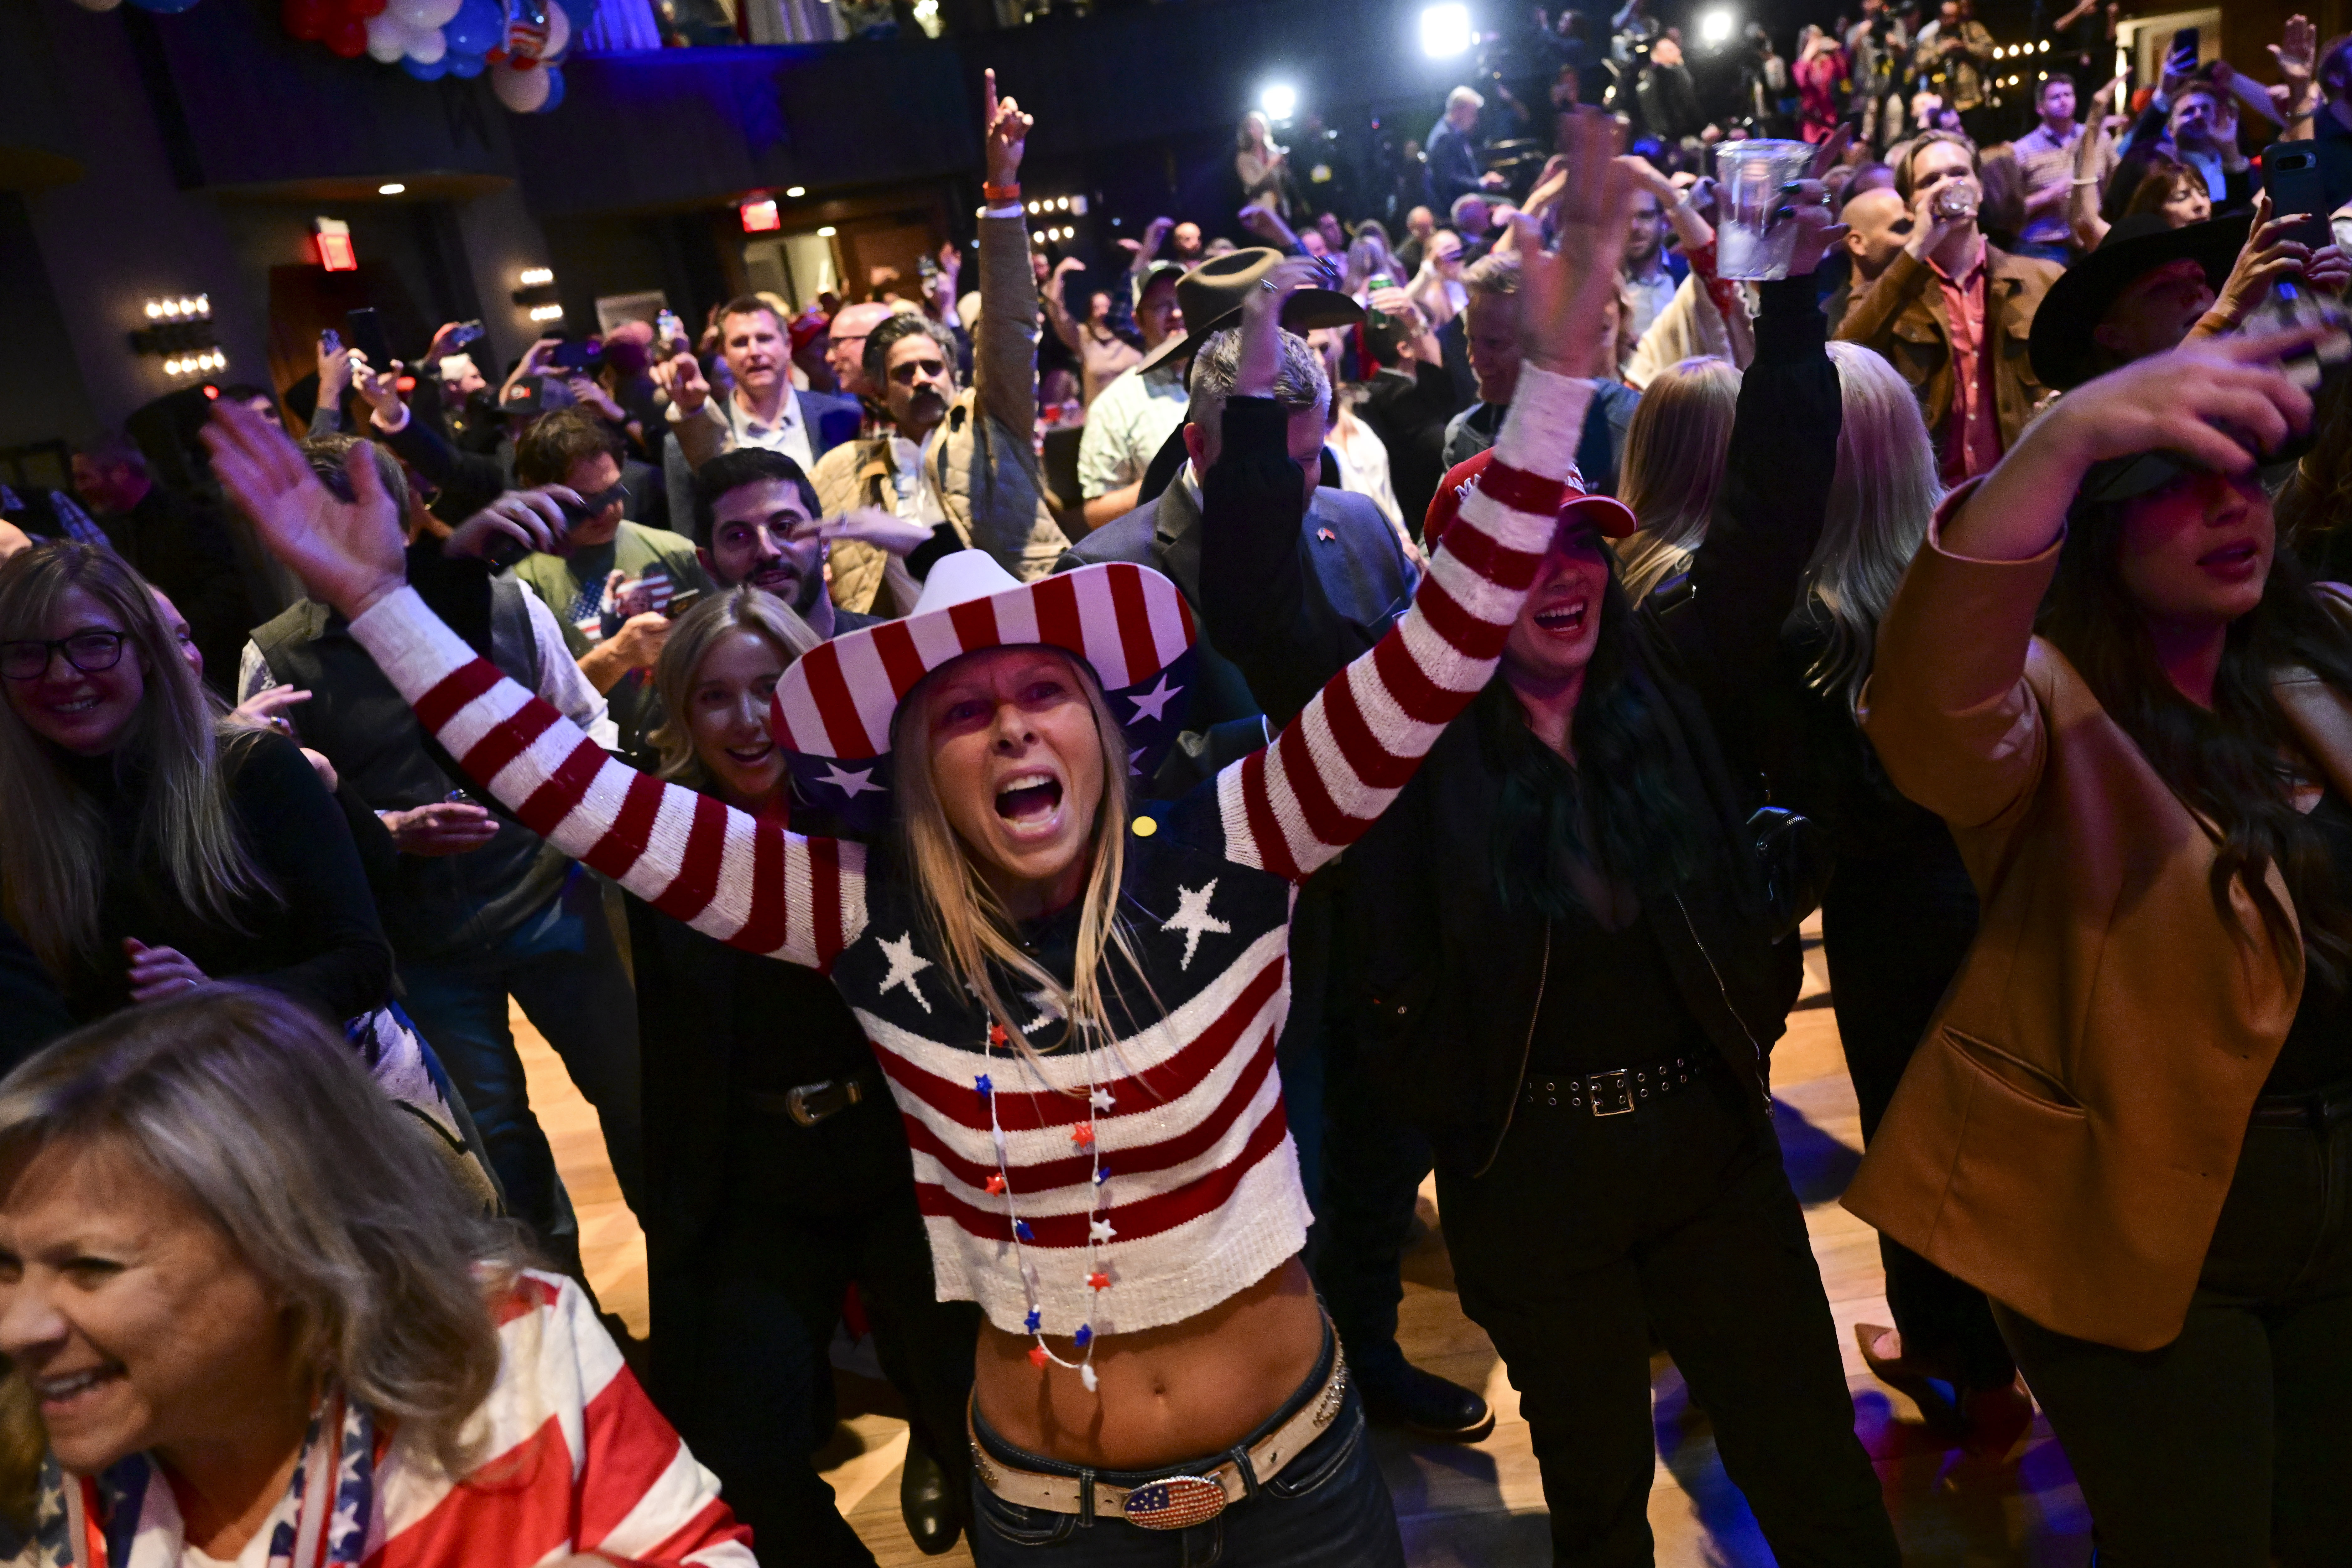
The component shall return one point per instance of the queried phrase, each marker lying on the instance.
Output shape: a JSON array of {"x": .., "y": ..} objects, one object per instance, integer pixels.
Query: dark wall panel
[
  {"x": 256, "y": 106},
  {"x": 695, "y": 126}
]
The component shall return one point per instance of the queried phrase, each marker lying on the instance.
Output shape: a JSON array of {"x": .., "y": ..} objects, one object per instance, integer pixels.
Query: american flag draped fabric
[{"x": 574, "y": 1459}]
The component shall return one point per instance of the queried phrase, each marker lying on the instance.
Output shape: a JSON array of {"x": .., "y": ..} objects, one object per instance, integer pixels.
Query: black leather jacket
[{"x": 1446, "y": 980}]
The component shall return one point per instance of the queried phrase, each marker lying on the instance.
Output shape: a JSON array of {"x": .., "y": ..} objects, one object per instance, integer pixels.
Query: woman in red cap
[{"x": 1076, "y": 1005}]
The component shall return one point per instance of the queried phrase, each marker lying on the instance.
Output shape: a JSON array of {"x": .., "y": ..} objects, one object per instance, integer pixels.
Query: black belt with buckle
[
  {"x": 813, "y": 1102},
  {"x": 1620, "y": 1091}
]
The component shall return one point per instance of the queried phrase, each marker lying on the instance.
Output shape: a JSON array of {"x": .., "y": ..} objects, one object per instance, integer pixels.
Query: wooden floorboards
[{"x": 1482, "y": 1507}]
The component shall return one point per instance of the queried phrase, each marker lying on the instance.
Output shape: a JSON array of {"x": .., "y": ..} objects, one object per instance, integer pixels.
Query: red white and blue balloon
[{"x": 518, "y": 42}]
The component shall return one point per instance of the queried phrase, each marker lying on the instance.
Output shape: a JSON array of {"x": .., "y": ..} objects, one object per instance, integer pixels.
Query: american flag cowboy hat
[{"x": 833, "y": 709}]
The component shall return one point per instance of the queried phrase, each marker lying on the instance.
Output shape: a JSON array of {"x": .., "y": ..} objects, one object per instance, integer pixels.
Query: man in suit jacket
[
  {"x": 1357, "y": 580},
  {"x": 1358, "y": 572},
  {"x": 764, "y": 409},
  {"x": 1452, "y": 151}
]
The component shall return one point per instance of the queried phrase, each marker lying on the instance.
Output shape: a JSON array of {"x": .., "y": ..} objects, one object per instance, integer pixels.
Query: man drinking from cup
[{"x": 1952, "y": 313}]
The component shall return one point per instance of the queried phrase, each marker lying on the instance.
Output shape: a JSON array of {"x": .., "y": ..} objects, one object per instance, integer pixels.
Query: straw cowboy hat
[
  {"x": 833, "y": 709},
  {"x": 1213, "y": 293}
]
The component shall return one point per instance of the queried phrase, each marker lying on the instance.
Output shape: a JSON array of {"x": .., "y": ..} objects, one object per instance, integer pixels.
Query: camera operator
[{"x": 609, "y": 581}]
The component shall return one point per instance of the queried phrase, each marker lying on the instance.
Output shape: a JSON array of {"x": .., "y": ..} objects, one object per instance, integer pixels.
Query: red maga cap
[{"x": 1613, "y": 517}]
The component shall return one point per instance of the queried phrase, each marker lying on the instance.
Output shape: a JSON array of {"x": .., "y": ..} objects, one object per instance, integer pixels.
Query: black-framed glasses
[{"x": 88, "y": 652}]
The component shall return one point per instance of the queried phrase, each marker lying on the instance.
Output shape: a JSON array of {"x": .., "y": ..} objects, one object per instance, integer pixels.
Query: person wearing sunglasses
[
  {"x": 957, "y": 458},
  {"x": 608, "y": 580}
]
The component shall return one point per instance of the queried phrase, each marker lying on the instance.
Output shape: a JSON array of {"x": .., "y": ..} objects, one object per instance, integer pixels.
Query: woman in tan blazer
[{"x": 2130, "y": 1124}]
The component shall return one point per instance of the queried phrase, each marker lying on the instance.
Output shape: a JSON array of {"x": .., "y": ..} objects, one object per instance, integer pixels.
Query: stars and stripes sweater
[{"x": 1202, "y": 1195}]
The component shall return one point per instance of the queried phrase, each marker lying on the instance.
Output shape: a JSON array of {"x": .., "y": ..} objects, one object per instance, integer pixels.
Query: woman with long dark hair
[
  {"x": 1576, "y": 974},
  {"x": 2129, "y": 1122},
  {"x": 1076, "y": 1001}
]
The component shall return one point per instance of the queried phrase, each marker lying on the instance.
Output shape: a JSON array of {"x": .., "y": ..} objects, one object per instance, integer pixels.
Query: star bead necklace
[{"x": 1098, "y": 1229}]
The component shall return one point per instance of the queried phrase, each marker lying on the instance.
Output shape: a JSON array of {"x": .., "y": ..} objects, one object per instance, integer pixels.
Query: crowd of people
[{"x": 1038, "y": 820}]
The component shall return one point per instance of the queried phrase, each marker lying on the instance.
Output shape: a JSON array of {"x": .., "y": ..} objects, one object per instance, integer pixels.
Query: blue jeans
[
  {"x": 1328, "y": 1507},
  {"x": 562, "y": 965}
]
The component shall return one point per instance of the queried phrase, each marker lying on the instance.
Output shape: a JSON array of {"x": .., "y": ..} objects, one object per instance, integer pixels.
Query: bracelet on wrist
[{"x": 998, "y": 196}]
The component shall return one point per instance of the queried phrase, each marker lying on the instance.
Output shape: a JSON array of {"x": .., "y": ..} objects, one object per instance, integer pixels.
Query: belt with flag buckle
[{"x": 1178, "y": 1500}]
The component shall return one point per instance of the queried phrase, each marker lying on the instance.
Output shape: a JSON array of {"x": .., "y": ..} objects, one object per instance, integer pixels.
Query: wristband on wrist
[{"x": 998, "y": 196}]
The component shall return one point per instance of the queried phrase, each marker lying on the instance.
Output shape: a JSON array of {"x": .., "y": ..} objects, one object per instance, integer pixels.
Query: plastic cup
[{"x": 1749, "y": 176}]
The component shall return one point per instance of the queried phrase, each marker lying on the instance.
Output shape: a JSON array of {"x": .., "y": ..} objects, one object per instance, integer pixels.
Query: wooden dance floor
[{"x": 1482, "y": 1507}]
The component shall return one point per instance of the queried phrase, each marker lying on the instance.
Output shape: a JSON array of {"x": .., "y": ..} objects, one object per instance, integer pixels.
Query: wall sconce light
[
  {"x": 179, "y": 332},
  {"x": 537, "y": 294},
  {"x": 192, "y": 364}
]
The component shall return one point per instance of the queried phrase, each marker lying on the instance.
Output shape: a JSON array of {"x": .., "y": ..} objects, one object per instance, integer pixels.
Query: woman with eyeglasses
[{"x": 149, "y": 846}]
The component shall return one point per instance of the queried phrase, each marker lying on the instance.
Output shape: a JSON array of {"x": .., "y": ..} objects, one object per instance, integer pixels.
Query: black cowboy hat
[
  {"x": 1212, "y": 295},
  {"x": 2063, "y": 351}
]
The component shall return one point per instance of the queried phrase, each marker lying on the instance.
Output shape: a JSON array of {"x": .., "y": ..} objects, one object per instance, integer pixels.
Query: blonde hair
[
  {"x": 262, "y": 1116},
  {"x": 1675, "y": 453},
  {"x": 52, "y": 835},
  {"x": 1886, "y": 490},
  {"x": 692, "y": 638},
  {"x": 969, "y": 921}
]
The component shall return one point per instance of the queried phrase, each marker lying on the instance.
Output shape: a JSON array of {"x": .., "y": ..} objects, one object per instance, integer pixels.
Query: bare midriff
[{"x": 1163, "y": 1394}]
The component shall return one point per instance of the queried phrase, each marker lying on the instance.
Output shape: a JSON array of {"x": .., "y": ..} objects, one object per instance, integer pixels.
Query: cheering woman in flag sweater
[{"x": 1076, "y": 1006}]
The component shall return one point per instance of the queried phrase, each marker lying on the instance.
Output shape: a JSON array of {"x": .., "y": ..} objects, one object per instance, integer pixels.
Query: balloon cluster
[{"x": 518, "y": 42}]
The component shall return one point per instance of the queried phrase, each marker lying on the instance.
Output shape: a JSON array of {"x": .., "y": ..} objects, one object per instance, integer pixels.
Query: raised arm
[
  {"x": 1004, "y": 346},
  {"x": 2083, "y": 217},
  {"x": 1749, "y": 572},
  {"x": 747, "y": 883},
  {"x": 1292, "y": 806},
  {"x": 1948, "y": 706}
]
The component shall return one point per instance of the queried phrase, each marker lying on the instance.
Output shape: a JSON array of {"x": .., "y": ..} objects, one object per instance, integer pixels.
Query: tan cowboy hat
[{"x": 1212, "y": 295}]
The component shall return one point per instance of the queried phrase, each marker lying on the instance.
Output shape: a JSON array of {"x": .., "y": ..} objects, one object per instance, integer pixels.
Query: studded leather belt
[
  {"x": 1178, "y": 1500},
  {"x": 1620, "y": 1091}
]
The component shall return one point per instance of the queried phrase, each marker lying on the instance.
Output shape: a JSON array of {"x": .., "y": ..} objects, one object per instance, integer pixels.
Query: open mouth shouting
[{"x": 1029, "y": 804}]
